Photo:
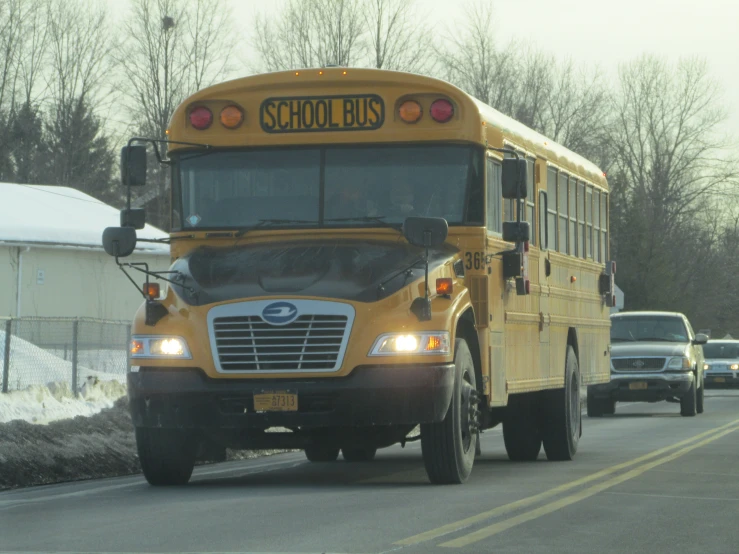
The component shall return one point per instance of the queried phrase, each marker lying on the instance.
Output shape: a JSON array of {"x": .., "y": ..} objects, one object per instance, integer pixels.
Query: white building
[{"x": 52, "y": 263}]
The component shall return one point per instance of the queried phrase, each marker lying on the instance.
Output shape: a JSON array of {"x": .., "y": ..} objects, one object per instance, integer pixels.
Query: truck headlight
[
  {"x": 680, "y": 362},
  {"x": 706, "y": 367},
  {"x": 399, "y": 344},
  {"x": 734, "y": 367},
  {"x": 143, "y": 346}
]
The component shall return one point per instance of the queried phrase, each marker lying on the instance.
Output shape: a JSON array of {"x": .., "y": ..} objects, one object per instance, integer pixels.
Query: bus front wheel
[
  {"x": 449, "y": 446},
  {"x": 167, "y": 456}
]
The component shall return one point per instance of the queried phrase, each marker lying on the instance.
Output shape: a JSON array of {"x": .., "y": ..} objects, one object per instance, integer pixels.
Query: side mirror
[
  {"x": 133, "y": 166},
  {"x": 514, "y": 178},
  {"x": 133, "y": 217},
  {"x": 119, "y": 241},
  {"x": 428, "y": 232},
  {"x": 700, "y": 338},
  {"x": 516, "y": 231}
]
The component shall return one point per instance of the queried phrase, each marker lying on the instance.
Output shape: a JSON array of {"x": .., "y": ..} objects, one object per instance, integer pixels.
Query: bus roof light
[
  {"x": 232, "y": 116},
  {"x": 410, "y": 111},
  {"x": 201, "y": 118},
  {"x": 441, "y": 110}
]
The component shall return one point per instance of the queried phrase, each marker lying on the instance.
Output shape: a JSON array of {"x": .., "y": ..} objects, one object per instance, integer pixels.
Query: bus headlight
[
  {"x": 399, "y": 344},
  {"x": 679, "y": 363},
  {"x": 159, "y": 347}
]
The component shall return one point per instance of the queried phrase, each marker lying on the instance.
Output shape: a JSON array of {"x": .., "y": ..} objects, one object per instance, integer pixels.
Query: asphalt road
[{"x": 644, "y": 480}]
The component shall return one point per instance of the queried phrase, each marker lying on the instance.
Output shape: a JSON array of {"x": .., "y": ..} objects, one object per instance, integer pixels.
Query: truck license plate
[
  {"x": 719, "y": 380},
  {"x": 276, "y": 401},
  {"x": 640, "y": 385}
]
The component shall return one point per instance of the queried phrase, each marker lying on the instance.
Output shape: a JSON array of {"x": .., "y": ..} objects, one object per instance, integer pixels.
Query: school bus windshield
[{"x": 333, "y": 185}]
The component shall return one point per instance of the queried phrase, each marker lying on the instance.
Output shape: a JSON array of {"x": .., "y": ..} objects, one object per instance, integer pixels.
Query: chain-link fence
[{"x": 40, "y": 351}]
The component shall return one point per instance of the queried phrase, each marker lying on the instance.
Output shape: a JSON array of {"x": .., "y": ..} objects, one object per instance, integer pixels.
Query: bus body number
[
  {"x": 304, "y": 114},
  {"x": 474, "y": 260}
]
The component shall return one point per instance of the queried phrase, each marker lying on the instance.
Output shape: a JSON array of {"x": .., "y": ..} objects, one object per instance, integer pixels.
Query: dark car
[
  {"x": 654, "y": 356},
  {"x": 722, "y": 362}
]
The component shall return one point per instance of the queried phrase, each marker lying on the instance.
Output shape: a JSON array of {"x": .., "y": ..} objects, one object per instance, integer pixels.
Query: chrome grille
[
  {"x": 638, "y": 364},
  {"x": 248, "y": 343}
]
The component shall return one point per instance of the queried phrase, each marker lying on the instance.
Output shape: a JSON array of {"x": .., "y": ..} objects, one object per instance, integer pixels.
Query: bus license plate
[
  {"x": 719, "y": 380},
  {"x": 641, "y": 385},
  {"x": 276, "y": 401}
]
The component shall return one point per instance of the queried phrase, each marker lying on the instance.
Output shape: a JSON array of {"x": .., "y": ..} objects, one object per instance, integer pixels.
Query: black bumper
[
  {"x": 369, "y": 396},
  {"x": 657, "y": 389}
]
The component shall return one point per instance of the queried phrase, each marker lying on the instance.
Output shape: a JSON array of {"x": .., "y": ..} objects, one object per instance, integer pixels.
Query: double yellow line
[{"x": 687, "y": 445}]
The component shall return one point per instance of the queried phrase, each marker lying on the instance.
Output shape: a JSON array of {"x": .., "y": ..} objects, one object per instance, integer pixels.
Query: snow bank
[{"x": 43, "y": 404}]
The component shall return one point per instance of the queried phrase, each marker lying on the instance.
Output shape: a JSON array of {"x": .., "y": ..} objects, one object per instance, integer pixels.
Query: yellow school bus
[{"x": 357, "y": 253}]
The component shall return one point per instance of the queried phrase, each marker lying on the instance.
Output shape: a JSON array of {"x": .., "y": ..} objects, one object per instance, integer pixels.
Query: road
[{"x": 644, "y": 480}]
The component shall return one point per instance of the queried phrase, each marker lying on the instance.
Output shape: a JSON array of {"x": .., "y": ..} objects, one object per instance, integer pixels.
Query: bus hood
[{"x": 338, "y": 269}]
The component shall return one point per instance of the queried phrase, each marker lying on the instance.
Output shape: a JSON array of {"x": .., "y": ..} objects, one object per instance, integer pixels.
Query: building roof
[{"x": 61, "y": 216}]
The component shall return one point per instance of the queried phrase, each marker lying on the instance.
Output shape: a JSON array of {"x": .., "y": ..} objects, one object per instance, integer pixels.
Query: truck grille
[
  {"x": 248, "y": 343},
  {"x": 638, "y": 364}
]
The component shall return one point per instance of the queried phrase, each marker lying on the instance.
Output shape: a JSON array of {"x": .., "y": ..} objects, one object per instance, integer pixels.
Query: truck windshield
[
  {"x": 346, "y": 186},
  {"x": 718, "y": 351},
  {"x": 669, "y": 329}
]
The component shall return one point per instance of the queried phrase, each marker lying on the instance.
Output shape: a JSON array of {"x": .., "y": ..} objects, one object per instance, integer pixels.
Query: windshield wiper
[
  {"x": 167, "y": 240},
  {"x": 657, "y": 339},
  {"x": 369, "y": 219},
  {"x": 622, "y": 339}
]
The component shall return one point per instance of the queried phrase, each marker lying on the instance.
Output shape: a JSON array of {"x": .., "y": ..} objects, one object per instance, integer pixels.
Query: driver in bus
[{"x": 402, "y": 199}]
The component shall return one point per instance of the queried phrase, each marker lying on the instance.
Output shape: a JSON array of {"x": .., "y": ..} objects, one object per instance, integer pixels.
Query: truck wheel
[
  {"x": 609, "y": 407},
  {"x": 688, "y": 402},
  {"x": 595, "y": 406},
  {"x": 521, "y": 433},
  {"x": 167, "y": 456},
  {"x": 449, "y": 446},
  {"x": 699, "y": 399},
  {"x": 361, "y": 454},
  {"x": 319, "y": 453},
  {"x": 561, "y": 415}
]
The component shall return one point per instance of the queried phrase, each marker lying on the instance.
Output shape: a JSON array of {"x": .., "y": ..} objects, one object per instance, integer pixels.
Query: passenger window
[
  {"x": 563, "y": 213},
  {"x": 552, "y": 209}
]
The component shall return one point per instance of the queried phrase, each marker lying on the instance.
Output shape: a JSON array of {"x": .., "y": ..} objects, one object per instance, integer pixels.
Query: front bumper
[
  {"x": 369, "y": 396},
  {"x": 659, "y": 386},
  {"x": 721, "y": 377}
]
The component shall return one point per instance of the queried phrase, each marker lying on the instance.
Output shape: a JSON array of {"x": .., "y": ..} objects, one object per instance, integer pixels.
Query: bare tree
[
  {"x": 172, "y": 49},
  {"x": 311, "y": 33},
  {"x": 669, "y": 157},
  {"x": 472, "y": 61},
  {"x": 79, "y": 66},
  {"x": 397, "y": 39}
]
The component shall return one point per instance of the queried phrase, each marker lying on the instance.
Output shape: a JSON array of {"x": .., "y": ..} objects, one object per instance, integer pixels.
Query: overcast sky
[{"x": 597, "y": 32}]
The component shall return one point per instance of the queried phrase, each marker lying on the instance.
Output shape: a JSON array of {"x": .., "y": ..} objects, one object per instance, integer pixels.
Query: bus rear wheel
[
  {"x": 560, "y": 418},
  {"x": 167, "y": 456},
  {"x": 320, "y": 453},
  {"x": 521, "y": 433},
  {"x": 449, "y": 446},
  {"x": 359, "y": 454}
]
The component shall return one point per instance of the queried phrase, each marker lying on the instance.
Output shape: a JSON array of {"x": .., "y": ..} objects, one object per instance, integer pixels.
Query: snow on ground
[
  {"x": 43, "y": 404},
  {"x": 40, "y": 383}
]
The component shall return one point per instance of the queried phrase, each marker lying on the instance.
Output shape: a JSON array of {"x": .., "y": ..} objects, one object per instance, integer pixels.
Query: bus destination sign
[{"x": 301, "y": 114}]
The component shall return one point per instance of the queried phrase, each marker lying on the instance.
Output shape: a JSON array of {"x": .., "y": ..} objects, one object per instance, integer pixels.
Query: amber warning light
[
  {"x": 444, "y": 285},
  {"x": 151, "y": 290}
]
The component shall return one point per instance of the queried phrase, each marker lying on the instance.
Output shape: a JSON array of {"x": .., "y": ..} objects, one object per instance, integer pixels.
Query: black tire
[
  {"x": 359, "y": 454},
  {"x": 699, "y": 399},
  {"x": 521, "y": 433},
  {"x": 595, "y": 406},
  {"x": 689, "y": 401},
  {"x": 449, "y": 446},
  {"x": 167, "y": 456},
  {"x": 320, "y": 453},
  {"x": 561, "y": 416},
  {"x": 609, "y": 407}
]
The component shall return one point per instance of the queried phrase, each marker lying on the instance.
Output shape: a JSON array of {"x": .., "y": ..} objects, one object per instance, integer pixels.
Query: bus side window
[
  {"x": 552, "y": 211},
  {"x": 543, "y": 224},
  {"x": 495, "y": 197},
  {"x": 530, "y": 210}
]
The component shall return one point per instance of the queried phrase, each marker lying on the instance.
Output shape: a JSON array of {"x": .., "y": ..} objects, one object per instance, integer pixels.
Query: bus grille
[
  {"x": 638, "y": 364},
  {"x": 248, "y": 343}
]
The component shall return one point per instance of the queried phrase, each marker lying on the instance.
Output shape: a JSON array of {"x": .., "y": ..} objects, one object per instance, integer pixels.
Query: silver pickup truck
[{"x": 654, "y": 356}]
